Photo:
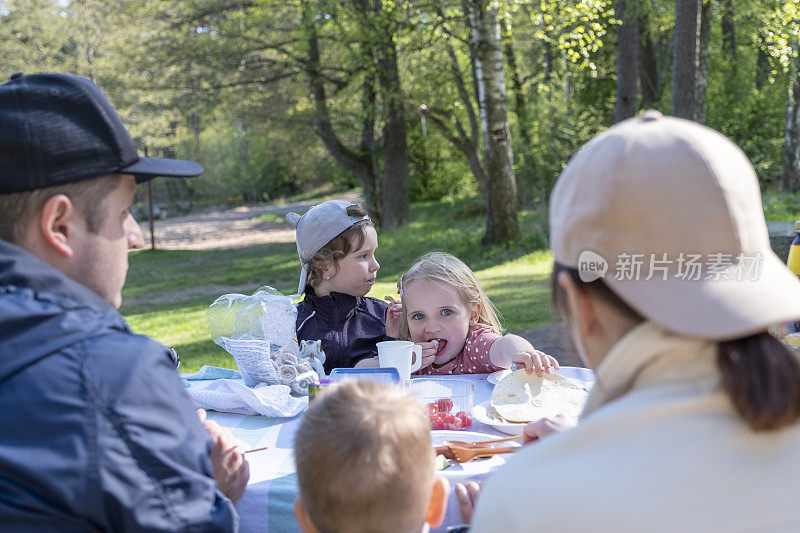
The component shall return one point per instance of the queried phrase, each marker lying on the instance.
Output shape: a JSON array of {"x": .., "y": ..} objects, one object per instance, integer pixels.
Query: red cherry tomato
[{"x": 445, "y": 405}]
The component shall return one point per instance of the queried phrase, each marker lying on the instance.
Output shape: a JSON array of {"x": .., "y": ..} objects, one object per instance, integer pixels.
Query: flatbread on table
[{"x": 523, "y": 397}]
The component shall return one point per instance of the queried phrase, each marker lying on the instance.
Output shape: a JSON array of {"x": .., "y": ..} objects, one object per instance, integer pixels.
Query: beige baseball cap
[{"x": 668, "y": 212}]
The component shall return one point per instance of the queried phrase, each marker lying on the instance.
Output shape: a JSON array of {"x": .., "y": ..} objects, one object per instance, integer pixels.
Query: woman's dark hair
[
  {"x": 350, "y": 239},
  {"x": 762, "y": 379},
  {"x": 758, "y": 373}
]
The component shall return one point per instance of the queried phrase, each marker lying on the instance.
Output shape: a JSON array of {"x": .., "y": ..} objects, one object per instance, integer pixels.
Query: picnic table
[{"x": 268, "y": 502}]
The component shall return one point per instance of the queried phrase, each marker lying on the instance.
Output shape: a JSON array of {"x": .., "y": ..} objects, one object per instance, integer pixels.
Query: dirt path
[
  {"x": 230, "y": 228},
  {"x": 234, "y": 228}
]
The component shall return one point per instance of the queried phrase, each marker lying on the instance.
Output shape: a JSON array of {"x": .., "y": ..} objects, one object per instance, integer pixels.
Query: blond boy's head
[{"x": 365, "y": 462}]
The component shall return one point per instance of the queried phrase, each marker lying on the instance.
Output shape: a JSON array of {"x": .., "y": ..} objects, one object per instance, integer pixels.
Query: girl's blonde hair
[{"x": 449, "y": 269}]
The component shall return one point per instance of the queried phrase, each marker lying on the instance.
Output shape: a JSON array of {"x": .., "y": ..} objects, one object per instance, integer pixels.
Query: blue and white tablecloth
[{"x": 268, "y": 503}]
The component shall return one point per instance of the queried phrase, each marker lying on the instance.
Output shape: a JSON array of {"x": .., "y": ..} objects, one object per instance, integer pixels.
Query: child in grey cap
[{"x": 336, "y": 243}]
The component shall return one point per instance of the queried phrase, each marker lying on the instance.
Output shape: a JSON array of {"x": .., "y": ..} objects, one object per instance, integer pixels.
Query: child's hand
[
  {"x": 368, "y": 362},
  {"x": 393, "y": 313},
  {"x": 511, "y": 348},
  {"x": 428, "y": 352}
]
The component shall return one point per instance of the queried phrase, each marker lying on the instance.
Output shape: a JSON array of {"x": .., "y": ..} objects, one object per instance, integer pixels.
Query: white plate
[
  {"x": 476, "y": 467},
  {"x": 494, "y": 377},
  {"x": 480, "y": 413},
  {"x": 580, "y": 374}
]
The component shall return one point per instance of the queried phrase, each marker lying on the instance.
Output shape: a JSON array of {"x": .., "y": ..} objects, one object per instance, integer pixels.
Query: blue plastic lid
[{"x": 388, "y": 375}]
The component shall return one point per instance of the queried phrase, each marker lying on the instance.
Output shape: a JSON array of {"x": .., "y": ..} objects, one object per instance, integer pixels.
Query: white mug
[{"x": 399, "y": 355}]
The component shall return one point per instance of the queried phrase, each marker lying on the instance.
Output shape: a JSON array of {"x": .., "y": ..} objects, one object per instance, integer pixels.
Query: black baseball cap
[{"x": 60, "y": 128}]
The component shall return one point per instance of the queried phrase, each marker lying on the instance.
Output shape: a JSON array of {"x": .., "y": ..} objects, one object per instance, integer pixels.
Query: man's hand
[
  {"x": 231, "y": 470},
  {"x": 545, "y": 426},
  {"x": 467, "y": 495}
]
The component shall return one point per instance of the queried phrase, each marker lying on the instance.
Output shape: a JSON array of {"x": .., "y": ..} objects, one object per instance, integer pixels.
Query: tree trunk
[
  {"x": 728, "y": 32},
  {"x": 684, "y": 59},
  {"x": 367, "y": 146},
  {"x": 395, "y": 144},
  {"x": 763, "y": 67},
  {"x": 627, "y": 60},
  {"x": 791, "y": 141},
  {"x": 547, "y": 53},
  {"x": 249, "y": 191},
  {"x": 701, "y": 83},
  {"x": 649, "y": 78},
  {"x": 547, "y": 61},
  {"x": 520, "y": 108},
  {"x": 357, "y": 162},
  {"x": 501, "y": 205}
]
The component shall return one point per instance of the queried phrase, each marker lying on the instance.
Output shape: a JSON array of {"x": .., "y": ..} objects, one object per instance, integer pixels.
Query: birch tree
[
  {"x": 701, "y": 80},
  {"x": 502, "y": 224},
  {"x": 783, "y": 25}
]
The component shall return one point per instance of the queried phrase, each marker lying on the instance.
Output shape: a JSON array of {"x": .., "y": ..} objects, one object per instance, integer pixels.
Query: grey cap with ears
[{"x": 316, "y": 228}]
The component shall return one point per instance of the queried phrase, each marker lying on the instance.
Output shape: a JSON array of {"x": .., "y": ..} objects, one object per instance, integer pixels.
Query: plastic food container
[{"x": 448, "y": 401}]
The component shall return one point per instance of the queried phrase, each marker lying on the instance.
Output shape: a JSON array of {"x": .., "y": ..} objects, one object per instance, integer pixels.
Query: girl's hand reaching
[
  {"x": 511, "y": 348},
  {"x": 393, "y": 313}
]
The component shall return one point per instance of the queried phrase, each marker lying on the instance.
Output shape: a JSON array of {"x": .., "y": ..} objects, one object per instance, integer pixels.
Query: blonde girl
[{"x": 443, "y": 308}]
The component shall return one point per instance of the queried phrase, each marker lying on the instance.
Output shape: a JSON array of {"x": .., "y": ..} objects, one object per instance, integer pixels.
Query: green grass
[
  {"x": 781, "y": 205},
  {"x": 270, "y": 218},
  {"x": 168, "y": 292}
]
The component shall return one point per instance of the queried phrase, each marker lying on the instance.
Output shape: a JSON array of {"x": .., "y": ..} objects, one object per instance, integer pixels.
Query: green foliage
[
  {"x": 781, "y": 205},
  {"x": 752, "y": 118},
  {"x": 435, "y": 171},
  {"x": 226, "y": 83},
  {"x": 577, "y": 28},
  {"x": 782, "y": 32}
]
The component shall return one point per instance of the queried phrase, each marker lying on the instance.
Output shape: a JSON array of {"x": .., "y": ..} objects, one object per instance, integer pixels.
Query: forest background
[
  {"x": 468, "y": 109},
  {"x": 276, "y": 98}
]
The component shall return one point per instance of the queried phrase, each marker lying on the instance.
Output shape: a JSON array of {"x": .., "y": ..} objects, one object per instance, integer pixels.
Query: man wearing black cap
[{"x": 96, "y": 430}]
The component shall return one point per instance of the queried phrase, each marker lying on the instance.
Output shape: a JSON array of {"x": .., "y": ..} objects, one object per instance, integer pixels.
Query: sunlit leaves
[
  {"x": 577, "y": 28},
  {"x": 781, "y": 33}
]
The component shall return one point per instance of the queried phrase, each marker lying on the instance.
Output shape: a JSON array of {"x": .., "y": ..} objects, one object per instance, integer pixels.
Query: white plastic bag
[{"x": 259, "y": 332}]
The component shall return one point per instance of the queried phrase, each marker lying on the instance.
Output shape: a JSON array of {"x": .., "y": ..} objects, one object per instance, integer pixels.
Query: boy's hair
[
  {"x": 364, "y": 459},
  {"x": 450, "y": 270},
  {"x": 18, "y": 209},
  {"x": 350, "y": 239}
]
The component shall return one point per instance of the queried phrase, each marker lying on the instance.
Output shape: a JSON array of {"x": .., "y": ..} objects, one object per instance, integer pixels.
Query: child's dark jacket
[{"x": 348, "y": 326}]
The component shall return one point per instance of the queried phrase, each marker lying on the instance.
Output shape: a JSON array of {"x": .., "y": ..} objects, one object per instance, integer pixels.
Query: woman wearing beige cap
[{"x": 665, "y": 277}]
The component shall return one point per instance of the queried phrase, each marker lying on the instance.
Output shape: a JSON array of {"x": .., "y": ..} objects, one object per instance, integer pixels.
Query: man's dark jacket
[
  {"x": 348, "y": 326},
  {"x": 96, "y": 429}
]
